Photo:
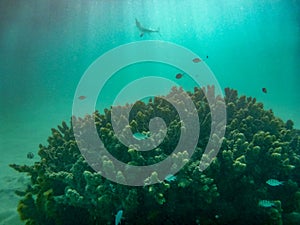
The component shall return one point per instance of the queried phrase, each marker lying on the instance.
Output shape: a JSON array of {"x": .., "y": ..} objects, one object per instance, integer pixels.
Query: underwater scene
[{"x": 154, "y": 112}]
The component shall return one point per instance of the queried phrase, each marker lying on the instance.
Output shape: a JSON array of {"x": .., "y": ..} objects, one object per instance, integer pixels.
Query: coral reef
[{"x": 257, "y": 146}]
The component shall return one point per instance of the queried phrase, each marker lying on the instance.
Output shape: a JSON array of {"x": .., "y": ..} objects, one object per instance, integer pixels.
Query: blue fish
[
  {"x": 266, "y": 203},
  {"x": 118, "y": 217},
  {"x": 170, "y": 177},
  {"x": 274, "y": 183},
  {"x": 139, "y": 136}
]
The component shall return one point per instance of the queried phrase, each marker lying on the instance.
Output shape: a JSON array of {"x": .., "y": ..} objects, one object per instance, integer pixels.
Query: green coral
[{"x": 257, "y": 146}]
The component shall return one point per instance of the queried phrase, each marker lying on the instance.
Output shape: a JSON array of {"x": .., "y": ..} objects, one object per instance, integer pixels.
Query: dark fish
[
  {"x": 30, "y": 155},
  {"x": 207, "y": 56},
  {"x": 196, "y": 60},
  {"x": 264, "y": 90},
  {"x": 179, "y": 76},
  {"x": 82, "y": 97}
]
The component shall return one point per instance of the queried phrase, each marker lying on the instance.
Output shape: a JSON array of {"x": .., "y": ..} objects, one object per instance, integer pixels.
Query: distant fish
[
  {"x": 82, "y": 97},
  {"x": 144, "y": 30},
  {"x": 170, "y": 178},
  {"x": 266, "y": 203},
  {"x": 264, "y": 90},
  {"x": 118, "y": 217},
  {"x": 196, "y": 60},
  {"x": 179, "y": 75},
  {"x": 139, "y": 136},
  {"x": 30, "y": 155},
  {"x": 274, "y": 183}
]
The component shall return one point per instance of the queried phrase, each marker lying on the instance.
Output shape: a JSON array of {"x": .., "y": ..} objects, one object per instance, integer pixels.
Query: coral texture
[{"x": 257, "y": 146}]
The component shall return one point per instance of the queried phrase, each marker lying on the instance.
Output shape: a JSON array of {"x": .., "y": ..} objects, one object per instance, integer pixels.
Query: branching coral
[{"x": 257, "y": 146}]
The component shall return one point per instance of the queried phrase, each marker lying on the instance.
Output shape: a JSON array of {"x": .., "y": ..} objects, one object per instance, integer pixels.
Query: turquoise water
[{"x": 46, "y": 46}]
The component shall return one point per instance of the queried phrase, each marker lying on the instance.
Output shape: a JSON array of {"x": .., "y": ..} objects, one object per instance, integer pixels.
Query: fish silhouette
[
  {"x": 82, "y": 97},
  {"x": 179, "y": 76},
  {"x": 144, "y": 30},
  {"x": 264, "y": 90},
  {"x": 196, "y": 60},
  {"x": 30, "y": 155}
]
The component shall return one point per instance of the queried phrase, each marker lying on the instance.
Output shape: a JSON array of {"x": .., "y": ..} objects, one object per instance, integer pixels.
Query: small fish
[
  {"x": 30, "y": 155},
  {"x": 266, "y": 203},
  {"x": 196, "y": 60},
  {"x": 264, "y": 90},
  {"x": 82, "y": 97},
  {"x": 170, "y": 177},
  {"x": 274, "y": 183},
  {"x": 139, "y": 136},
  {"x": 179, "y": 75},
  {"x": 112, "y": 188},
  {"x": 118, "y": 217}
]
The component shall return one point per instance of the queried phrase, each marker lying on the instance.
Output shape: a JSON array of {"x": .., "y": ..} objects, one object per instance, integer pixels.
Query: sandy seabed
[{"x": 10, "y": 181}]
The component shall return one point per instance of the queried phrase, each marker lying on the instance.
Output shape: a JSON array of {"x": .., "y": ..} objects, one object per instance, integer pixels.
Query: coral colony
[{"x": 254, "y": 179}]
